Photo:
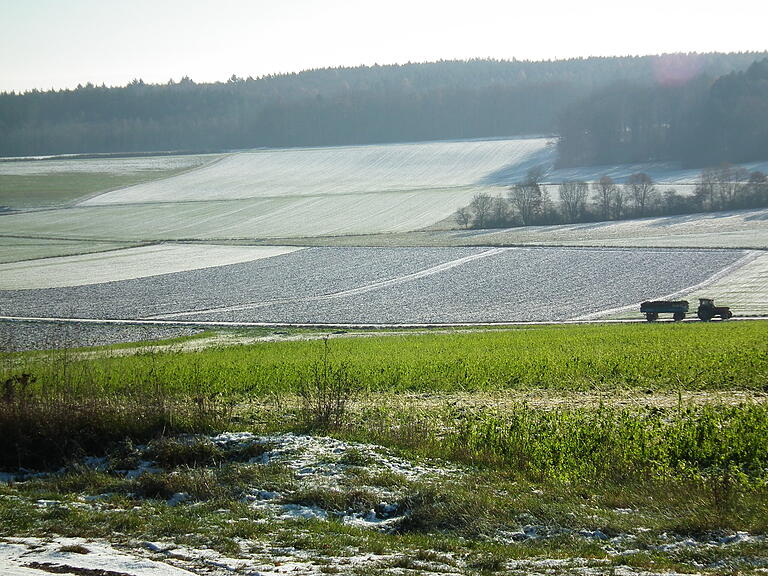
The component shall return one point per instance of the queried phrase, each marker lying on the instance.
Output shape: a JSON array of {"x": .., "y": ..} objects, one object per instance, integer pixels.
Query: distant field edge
[
  {"x": 164, "y": 175},
  {"x": 341, "y": 326},
  {"x": 410, "y": 240}
]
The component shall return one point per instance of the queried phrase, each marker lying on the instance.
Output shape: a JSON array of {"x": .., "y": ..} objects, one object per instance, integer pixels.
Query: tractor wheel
[
  {"x": 651, "y": 316},
  {"x": 726, "y": 315},
  {"x": 704, "y": 317},
  {"x": 678, "y": 316}
]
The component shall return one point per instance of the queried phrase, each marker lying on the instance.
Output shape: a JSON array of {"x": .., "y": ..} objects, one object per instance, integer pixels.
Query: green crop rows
[{"x": 692, "y": 356}]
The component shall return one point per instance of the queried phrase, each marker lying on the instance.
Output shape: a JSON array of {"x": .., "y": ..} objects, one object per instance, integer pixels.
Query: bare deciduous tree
[
  {"x": 756, "y": 189},
  {"x": 463, "y": 216},
  {"x": 642, "y": 191},
  {"x": 720, "y": 188},
  {"x": 528, "y": 196},
  {"x": 481, "y": 207},
  {"x": 730, "y": 180},
  {"x": 706, "y": 188},
  {"x": 500, "y": 211},
  {"x": 620, "y": 196},
  {"x": 604, "y": 193},
  {"x": 573, "y": 197}
]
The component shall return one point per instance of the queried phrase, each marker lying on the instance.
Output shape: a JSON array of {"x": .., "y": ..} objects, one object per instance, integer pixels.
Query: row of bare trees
[{"x": 528, "y": 203}]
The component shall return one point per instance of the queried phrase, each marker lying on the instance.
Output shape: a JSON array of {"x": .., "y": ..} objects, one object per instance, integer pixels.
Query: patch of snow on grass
[
  {"x": 35, "y": 556},
  {"x": 321, "y": 462},
  {"x": 318, "y": 457}
]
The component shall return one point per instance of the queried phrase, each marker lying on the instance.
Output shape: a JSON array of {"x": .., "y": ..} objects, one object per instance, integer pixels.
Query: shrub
[{"x": 327, "y": 393}]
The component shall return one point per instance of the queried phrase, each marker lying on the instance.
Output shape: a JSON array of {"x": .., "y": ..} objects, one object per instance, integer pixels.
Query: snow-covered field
[
  {"x": 17, "y": 249},
  {"x": 338, "y": 191},
  {"x": 127, "y": 264},
  {"x": 663, "y": 173},
  {"x": 735, "y": 229},
  {"x": 277, "y": 217},
  {"x": 58, "y": 165},
  {"x": 743, "y": 287},
  {"x": 746, "y": 288},
  {"x": 341, "y": 170},
  {"x": 389, "y": 286},
  {"x": 295, "y": 193}
]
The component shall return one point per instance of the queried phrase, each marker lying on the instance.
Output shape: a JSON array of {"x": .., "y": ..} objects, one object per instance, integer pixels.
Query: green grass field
[
  {"x": 19, "y": 249},
  {"x": 21, "y": 192},
  {"x": 608, "y": 358}
]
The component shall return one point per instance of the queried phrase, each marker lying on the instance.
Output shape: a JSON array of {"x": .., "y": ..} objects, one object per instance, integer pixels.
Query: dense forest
[
  {"x": 412, "y": 102},
  {"x": 699, "y": 122}
]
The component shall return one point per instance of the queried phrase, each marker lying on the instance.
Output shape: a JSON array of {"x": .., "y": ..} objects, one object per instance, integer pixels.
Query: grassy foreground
[{"x": 533, "y": 472}]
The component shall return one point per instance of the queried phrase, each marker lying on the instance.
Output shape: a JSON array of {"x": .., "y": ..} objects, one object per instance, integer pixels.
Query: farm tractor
[
  {"x": 707, "y": 310},
  {"x": 679, "y": 308}
]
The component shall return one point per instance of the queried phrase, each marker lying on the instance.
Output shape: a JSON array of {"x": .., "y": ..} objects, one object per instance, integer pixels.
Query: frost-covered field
[
  {"x": 19, "y": 336},
  {"x": 389, "y": 286},
  {"x": 744, "y": 288},
  {"x": 17, "y": 249},
  {"x": 281, "y": 217},
  {"x": 127, "y": 264},
  {"x": 295, "y": 193},
  {"x": 342, "y": 170},
  {"x": 392, "y": 213},
  {"x": 381, "y": 168},
  {"x": 735, "y": 229},
  {"x": 355, "y": 190},
  {"x": 664, "y": 173},
  {"x": 58, "y": 165}
]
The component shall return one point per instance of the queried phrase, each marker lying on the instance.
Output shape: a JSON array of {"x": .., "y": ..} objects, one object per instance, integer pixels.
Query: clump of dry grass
[{"x": 43, "y": 427}]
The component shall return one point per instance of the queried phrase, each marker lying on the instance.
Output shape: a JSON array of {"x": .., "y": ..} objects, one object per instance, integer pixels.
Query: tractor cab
[{"x": 707, "y": 310}]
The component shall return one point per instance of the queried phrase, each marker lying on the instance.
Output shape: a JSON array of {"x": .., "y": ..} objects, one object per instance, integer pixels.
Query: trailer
[{"x": 652, "y": 309}]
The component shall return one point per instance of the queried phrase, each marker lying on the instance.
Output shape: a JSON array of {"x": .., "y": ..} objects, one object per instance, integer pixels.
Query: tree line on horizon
[
  {"x": 342, "y": 106},
  {"x": 528, "y": 203},
  {"x": 697, "y": 123}
]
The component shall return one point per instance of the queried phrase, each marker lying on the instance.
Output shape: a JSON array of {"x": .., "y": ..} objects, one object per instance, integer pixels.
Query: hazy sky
[{"x": 60, "y": 43}]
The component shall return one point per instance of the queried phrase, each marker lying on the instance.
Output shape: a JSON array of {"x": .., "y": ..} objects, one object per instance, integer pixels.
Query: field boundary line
[
  {"x": 236, "y": 324},
  {"x": 83, "y": 201},
  {"x": 445, "y": 266}
]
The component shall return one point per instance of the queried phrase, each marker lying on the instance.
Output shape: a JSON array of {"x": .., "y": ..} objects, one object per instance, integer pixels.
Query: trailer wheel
[
  {"x": 651, "y": 316},
  {"x": 678, "y": 316}
]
